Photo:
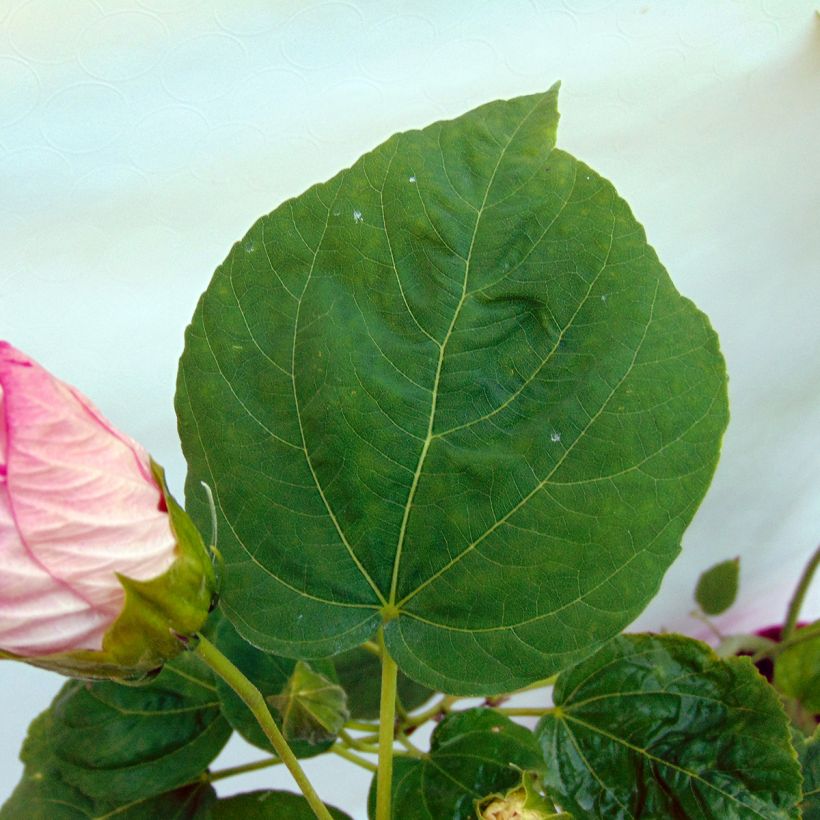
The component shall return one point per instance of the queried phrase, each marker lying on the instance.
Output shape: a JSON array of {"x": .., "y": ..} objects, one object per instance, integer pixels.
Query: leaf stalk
[{"x": 254, "y": 700}]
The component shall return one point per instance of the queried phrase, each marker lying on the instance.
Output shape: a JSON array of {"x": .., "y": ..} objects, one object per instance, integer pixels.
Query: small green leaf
[
  {"x": 272, "y": 676},
  {"x": 451, "y": 392},
  {"x": 123, "y": 743},
  {"x": 473, "y": 754},
  {"x": 359, "y": 673},
  {"x": 43, "y": 794},
  {"x": 808, "y": 748},
  {"x": 797, "y": 670},
  {"x": 268, "y": 805},
  {"x": 313, "y": 708},
  {"x": 659, "y": 726},
  {"x": 717, "y": 587}
]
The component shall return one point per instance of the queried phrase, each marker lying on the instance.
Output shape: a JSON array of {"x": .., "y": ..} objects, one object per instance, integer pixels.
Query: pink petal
[
  {"x": 81, "y": 494},
  {"x": 37, "y": 614}
]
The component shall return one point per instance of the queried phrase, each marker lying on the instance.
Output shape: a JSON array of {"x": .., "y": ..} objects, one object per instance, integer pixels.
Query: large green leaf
[
  {"x": 473, "y": 754},
  {"x": 124, "y": 743},
  {"x": 272, "y": 676},
  {"x": 268, "y": 805},
  {"x": 659, "y": 726},
  {"x": 359, "y": 673},
  {"x": 43, "y": 794},
  {"x": 452, "y": 391}
]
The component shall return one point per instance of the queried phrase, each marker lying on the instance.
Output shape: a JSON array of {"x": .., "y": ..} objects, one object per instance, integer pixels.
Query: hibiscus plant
[{"x": 446, "y": 420}]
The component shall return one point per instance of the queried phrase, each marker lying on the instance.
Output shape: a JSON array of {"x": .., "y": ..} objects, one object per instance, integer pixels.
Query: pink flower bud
[{"x": 82, "y": 513}]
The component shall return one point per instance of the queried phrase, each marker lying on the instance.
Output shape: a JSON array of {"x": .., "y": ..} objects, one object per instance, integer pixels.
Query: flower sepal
[{"x": 159, "y": 618}]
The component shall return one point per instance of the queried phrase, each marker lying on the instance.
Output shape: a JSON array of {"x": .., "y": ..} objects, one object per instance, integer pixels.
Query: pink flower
[{"x": 80, "y": 505}]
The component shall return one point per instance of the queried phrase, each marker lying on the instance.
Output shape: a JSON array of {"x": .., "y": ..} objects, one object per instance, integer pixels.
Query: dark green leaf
[
  {"x": 473, "y": 754},
  {"x": 809, "y": 752},
  {"x": 451, "y": 390},
  {"x": 42, "y": 794},
  {"x": 268, "y": 805},
  {"x": 797, "y": 670},
  {"x": 659, "y": 726},
  {"x": 123, "y": 743},
  {"x": 359, "y": 673},
  {"x": 717, "y": 587},
  {"x": 271, "y": 675}
]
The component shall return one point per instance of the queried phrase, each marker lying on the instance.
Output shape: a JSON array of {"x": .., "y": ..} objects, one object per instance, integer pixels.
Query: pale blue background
[{"x": 139, "y": 140}]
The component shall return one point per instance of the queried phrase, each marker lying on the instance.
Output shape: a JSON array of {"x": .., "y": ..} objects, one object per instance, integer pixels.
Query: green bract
[
  {"x": 659, "y": 726},
  {"x": 451, "y": 391}
]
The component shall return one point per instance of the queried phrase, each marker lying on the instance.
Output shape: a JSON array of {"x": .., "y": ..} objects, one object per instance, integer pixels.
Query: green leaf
[
  {"x": 359, "y": 673},
  {"x": 659, "y": 726},
  {"x": 797, "y": 670},
  {"x": 268, "y": 805},
  {"x": 123, "y": 743},
  {"x": 452, "y": 391},
  {"x": 272, "y": 676},
  {"x": 43, "y": 794},
  {"x": 473, "y": 754},
  {"x": 717, "y": 587},
  {"x": 809, "y": 751},
  {"x": 313, "y": 708}
]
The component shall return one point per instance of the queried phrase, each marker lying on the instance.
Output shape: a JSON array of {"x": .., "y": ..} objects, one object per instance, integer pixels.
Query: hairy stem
[
  {"x": 256, "y": 703},
  {"x": 799, "y": 594},
  {"x": 387, "y": 724}
]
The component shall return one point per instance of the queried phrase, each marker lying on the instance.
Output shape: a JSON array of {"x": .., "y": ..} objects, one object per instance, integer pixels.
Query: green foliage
[
  {"x": 473, "y": 754},
  {"x": 454, "y": 392},
  {"x": 271, "y": 675},
  {"x": 267, "y": 805},
  {"x": 717, "y": 587},
  {"x": 124, "y": 743},
  {"x": 359, "y": 673},
  {"x": 809, "y": 752},
  {"x": 43, "y": 793},
  {"x": 797, "y": 670},
  {"x": 659, "y": 726}
]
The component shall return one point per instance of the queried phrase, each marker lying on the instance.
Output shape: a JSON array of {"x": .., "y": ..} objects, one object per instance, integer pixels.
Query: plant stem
[
  {"x": 387, "y": 727},
  {"x": 799, "y": 594},
  {"x": 441, "y": 707},
  {"x": 354, "y": 758},
  {"x": 361, "y": 726},
  {"x": 408, "y": 745},
  {"x": 524, "y": 711},
  {"x": 221, "y": 774},
  {"x": 354, "y": 742},
  {"x": 256, "y": 703}
]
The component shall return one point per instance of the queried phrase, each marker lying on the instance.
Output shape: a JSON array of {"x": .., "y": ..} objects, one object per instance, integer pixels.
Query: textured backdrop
[{"x": 139, "y": 140}]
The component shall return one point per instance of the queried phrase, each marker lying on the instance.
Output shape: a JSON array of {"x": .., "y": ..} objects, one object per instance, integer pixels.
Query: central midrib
[{"x": 442, "y": 348}]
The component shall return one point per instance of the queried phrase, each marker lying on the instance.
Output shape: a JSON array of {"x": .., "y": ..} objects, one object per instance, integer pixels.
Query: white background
[{"x": 139, "y": 140}]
